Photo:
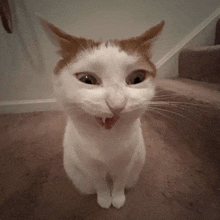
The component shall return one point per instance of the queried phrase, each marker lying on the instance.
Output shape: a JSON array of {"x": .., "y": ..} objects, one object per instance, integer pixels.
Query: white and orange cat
[{"x": 104, "y": 87}]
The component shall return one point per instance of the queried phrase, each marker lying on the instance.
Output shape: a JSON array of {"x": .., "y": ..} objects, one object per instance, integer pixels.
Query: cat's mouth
[{"x": 108, "y": 123}]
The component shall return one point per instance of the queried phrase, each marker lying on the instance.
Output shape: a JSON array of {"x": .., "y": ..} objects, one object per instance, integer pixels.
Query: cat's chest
[
  {"x": 103, "y": 146},
  {"x": 104, "y": 160},
  {"x": 106, "y": 149}
]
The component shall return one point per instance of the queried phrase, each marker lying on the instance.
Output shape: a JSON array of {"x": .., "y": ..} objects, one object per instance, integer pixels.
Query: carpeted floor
[{"x": 181, "y": 178}]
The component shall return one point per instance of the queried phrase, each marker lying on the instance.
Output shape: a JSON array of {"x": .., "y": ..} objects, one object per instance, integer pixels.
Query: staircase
[{"x": 203, "y": 62}]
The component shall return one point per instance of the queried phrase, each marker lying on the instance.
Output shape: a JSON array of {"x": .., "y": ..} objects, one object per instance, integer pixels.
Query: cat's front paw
[
  {"x": 118, "y": 200},
  {"x": 104, "y": 201}
]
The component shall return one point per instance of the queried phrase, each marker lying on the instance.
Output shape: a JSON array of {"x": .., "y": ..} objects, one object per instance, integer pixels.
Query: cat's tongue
[{"x": 108, "y": 123}]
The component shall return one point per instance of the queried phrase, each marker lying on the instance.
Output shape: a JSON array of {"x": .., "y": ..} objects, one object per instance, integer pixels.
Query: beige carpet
[{"x": 181, "y": 178}]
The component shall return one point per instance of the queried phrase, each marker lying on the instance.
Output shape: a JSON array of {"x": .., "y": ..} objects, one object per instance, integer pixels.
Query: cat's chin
[{"x": 108, "y": 123}]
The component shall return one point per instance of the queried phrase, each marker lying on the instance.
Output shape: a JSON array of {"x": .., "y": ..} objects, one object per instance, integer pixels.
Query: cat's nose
[{"x": 116, "y": 102}]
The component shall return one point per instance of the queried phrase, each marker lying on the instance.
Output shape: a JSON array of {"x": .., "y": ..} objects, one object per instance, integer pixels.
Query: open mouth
[{"x": 108, "y": 123}]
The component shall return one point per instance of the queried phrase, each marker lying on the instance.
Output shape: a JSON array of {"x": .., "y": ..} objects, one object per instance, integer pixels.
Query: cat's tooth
[{"x": 103, "y": 119}]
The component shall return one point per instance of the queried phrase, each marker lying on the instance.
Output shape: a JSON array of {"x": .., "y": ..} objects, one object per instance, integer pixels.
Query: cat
[{"x": 104, "y": 88}]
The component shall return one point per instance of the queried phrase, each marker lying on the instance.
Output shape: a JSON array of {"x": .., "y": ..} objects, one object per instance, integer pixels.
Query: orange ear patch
[
  {"x": 68, "y": 45},
  {"x": 142, "y": 43}
]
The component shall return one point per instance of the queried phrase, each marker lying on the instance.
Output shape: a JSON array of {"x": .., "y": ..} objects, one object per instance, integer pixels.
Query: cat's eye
[
  {"x": 136, "y": 77},
  {"x": 87, "y": 78}
]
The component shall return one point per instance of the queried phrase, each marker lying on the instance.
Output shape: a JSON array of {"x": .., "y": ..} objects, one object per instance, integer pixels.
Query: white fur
[{"x": 91, "y": 152}]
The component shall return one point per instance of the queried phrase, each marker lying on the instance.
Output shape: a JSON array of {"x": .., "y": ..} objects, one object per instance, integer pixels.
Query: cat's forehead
[
  {"x": 108, "y": 55},
  {"x": 105, "y": 54}
]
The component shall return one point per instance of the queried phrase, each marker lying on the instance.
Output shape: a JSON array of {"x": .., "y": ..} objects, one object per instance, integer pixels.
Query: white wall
[
  {"x": 94, "y": 19},
  {"x": 203, "y": 34}
]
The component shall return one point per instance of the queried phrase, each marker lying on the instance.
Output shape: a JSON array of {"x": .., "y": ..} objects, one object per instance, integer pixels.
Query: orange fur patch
[{"x": 70, "y": 46}]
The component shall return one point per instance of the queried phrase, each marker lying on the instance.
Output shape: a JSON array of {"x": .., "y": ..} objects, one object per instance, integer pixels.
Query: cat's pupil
[
  {"x": 137, "y": 80},
  {"x": 136, "y": 77},
  {"x": 87, "y": 78},
  {"x": 88, "y": 81}
]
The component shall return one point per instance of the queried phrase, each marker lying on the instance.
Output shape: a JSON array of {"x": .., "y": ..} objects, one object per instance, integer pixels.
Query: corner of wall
[{"x": 203, "y": 34}]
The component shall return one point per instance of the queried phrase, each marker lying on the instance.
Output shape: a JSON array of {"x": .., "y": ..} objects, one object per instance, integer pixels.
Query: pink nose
[{"x": 116, "y": 102}]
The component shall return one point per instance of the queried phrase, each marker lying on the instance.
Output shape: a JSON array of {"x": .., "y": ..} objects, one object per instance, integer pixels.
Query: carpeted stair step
[{"x": 202, "y": 63}]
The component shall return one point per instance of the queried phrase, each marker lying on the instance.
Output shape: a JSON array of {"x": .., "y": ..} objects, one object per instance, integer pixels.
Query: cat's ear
[
  {"x": 143, "y": 42},
  {"x": 150, "y": 34},
  {"x": 68, "y": 44}
]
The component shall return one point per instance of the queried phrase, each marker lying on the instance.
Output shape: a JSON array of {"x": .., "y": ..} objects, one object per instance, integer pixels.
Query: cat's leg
[
  {"x": 127, "y": 177},
  {"x": 82, "y": 182},
  {"x": 136, "y": 167},
  {"x": 104, "y": 198},
  {"x": 118, "y": 195}
]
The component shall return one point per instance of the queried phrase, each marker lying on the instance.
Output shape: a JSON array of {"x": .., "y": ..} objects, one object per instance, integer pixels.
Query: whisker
[
  {"x": 182, "y": 107},
  {"x": 172, "y": 103},
  {"x": 186, "y": 108},
  {"x": 157, "y": 111},
  {"x": 160, "y": 113},
  {"x": 171, "y": 112},
  {"x": 185, "y": 121}
]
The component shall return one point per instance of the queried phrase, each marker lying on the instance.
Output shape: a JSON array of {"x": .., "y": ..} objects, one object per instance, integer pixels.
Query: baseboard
[
  {"x": 21, "y": 106},
  {"x": 203, "y": 34}
]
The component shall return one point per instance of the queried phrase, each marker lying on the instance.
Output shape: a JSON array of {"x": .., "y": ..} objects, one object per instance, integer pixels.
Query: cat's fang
[
  {"x": 107, "y": 123},
  {"x": 103, "y": 119}
]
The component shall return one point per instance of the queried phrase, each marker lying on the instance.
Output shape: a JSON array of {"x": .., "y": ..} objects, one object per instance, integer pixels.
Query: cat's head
[{"x": 106, "y": 82}]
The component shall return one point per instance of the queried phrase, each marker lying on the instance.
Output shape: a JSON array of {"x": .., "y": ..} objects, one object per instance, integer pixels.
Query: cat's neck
[
  {"x": 88, "y": 126},
  {"x": 100, "y": 143}
]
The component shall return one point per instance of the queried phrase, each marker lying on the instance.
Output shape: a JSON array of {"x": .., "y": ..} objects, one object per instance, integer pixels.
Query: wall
[
  {"x": 94, "y": 19},
  {"x": 203, "y": 34}
]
